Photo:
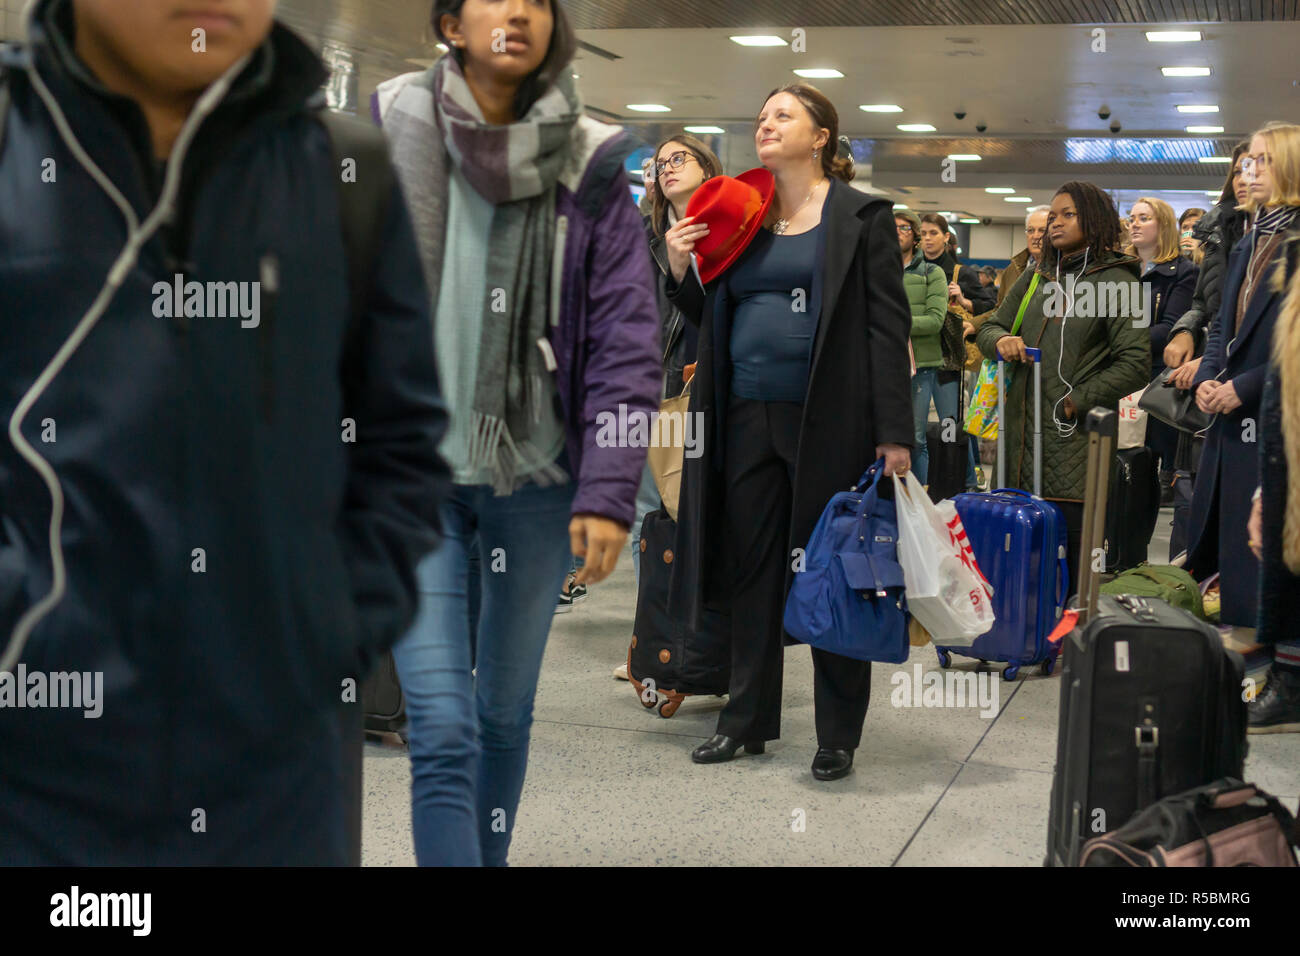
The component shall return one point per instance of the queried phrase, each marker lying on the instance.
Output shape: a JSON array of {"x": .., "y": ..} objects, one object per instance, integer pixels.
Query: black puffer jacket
[
  {"x": 1218, "y": 230},
  {"x": 678, "y": 337}
]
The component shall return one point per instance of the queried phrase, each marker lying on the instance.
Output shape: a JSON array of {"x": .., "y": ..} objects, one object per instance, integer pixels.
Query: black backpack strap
[{"x": 363, "y": 200}]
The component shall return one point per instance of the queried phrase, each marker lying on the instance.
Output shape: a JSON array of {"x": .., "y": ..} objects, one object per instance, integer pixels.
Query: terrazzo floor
[{"x": 611, "y": 783}]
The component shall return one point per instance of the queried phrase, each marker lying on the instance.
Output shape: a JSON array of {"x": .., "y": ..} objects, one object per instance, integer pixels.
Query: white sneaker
[{"x": 620, "y": 672}]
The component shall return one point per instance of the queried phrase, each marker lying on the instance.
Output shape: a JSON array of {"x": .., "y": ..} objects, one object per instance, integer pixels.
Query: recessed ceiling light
[
  {"x": 965, "y": 157},
  {"x": 1173, "y": 36},
  {"x": 1016, "y": 199},
  {"x": 971, "y": 221},
  {"x": 901, "y": 205},
  {"x": 442, "y": 47},
  {"x": 819, "y": 74},
  {"x": 998, "y": 189},
  {"x": 1185, "y": 70},
  {"x": 1214, "y": 159},
  {"x": 881, "y": 108},
  {"x": 948, "y": 215},
  {"x": 916, "y": 127},
  {"x": 758, "y": 41},
  {"x": 576, "y": 76},
  {"x": 649, "y": 108},
  {"x": 1198, "y": 109},
  {"x": 1212, "y": 192},
  {"x": 1205, "y": 129},
  {"x": 704, "y": 129}
]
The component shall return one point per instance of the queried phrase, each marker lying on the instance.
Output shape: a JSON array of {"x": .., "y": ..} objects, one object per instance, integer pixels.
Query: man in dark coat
[{"x": 245, "y": 493}]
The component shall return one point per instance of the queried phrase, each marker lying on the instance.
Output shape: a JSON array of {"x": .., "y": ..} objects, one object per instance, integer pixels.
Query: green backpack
[{"x": 1171, "y": 585}]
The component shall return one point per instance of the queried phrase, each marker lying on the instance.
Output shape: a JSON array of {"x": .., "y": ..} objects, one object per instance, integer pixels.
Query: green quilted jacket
[
  {"x": 927, "y": 294},
  {"x": 1104, "y": 353}
]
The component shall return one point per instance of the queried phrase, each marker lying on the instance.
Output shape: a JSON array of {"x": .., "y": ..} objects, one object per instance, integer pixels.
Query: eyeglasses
[
  {"x": 677, "y": 160},
  {"x": 1250, "y": 165},
  {"x": 903, "y": 227}
]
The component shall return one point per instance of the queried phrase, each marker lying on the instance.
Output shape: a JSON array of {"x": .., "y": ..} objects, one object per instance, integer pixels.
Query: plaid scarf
[{"x": 433, "y": 122}]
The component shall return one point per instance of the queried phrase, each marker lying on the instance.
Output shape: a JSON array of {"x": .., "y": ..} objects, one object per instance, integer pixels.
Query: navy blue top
[{"x": 774, "y": 316}]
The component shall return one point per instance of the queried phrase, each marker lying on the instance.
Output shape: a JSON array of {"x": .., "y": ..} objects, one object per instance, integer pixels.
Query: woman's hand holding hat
[{"x": 681, "y": 240}]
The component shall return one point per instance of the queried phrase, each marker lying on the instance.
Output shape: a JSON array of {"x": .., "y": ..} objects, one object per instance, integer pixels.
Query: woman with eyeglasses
[
  {"x": 544, "y": 318},
  {"x": 803, "y": 382},
  {"x": 1218, "y": 231},
  {"x": 1230, "y": 380},
  {"x": 681, "y": 164}
]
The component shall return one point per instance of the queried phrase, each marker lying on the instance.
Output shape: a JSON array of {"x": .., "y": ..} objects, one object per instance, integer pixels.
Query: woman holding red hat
[{"x": 802, "y": 379}]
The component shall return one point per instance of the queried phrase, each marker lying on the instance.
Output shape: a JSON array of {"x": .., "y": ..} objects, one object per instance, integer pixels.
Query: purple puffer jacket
[{"x": 606, "y": 342}]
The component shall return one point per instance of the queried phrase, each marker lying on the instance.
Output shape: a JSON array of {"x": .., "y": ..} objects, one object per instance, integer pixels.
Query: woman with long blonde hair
[
  {"x": 1171, "y": 279},
  {"x": 1230, "y": 381},
  {"x": 1274, "y": 529}
]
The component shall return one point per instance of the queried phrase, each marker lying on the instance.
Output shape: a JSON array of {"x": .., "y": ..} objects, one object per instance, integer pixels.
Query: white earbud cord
[
  {"x": 1065, "y": 429},
  {"x": 137, "y": 237}
]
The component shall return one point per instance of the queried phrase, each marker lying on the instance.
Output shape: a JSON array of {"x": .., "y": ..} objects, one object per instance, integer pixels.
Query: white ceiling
[{"x": 1039, "y": 83}]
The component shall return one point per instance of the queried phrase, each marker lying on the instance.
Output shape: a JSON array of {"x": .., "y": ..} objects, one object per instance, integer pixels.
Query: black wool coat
[
  {"x": 859, "y": 390},
  {"x": 1229, "y": 466}
]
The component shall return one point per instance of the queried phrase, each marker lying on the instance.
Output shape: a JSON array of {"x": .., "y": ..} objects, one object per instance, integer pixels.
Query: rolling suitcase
[
  {"x": 1133, "y": 507},
  {"x": 667, "y": 660},
  {"x": 1019, "y": 541},
  {"x": 1151, "y": 702}
]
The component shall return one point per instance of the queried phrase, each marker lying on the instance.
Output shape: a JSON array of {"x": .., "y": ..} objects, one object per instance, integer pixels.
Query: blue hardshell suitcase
[{"x": 1020, "y": 543}]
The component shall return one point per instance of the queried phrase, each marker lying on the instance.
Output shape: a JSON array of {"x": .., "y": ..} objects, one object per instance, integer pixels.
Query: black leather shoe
[
  {"x": 1277, "y": 708},
  {"x": 720, "y": 747},
  {"x": 832, "y": 764}
]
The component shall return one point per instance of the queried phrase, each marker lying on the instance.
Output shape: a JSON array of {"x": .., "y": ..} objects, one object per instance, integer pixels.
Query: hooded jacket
[
  {"x": 1096, "y": 358},
  {"x": 243, "y": 505},
  {"x": 1218, "y": 231}
]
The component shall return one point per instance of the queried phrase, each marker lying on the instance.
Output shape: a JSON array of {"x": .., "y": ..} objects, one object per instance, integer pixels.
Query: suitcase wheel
[
  {"x": 1012, "y": 672},
  {"x": 945, "y": 660},
  {"x": 1048, "y": 666}
]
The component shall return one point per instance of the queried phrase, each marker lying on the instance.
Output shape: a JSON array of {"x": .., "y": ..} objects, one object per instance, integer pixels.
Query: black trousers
[
  {"x": 762, "y": 440},
  {"x": 1073, "y": 511}
]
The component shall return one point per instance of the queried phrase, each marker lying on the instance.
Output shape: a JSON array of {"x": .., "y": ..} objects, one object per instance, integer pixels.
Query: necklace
[{"x": 781, "y": 225}]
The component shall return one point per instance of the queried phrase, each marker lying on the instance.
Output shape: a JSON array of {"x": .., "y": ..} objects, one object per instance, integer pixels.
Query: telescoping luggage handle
[
  {"x": 1102, "y": 427},
  {"x": 1035, "y": 356}
]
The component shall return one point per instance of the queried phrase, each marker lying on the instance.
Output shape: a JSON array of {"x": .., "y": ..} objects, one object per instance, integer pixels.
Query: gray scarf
[{"x": 434, "y": 122}]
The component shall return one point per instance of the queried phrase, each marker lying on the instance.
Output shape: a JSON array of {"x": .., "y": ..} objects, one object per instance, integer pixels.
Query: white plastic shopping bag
[
  {"x": 946, "y": 591},
  {"x": 1132, "y": 421}
]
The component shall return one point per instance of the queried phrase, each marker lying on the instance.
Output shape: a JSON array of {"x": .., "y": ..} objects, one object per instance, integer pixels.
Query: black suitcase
[
  {"x": 949, "y": 460},
  {"x": 382, "y": 701},
  {"x": 668, "y": 661},
  {"x": 1133, "y": 508},
  {"x": 1151, "y": 702}
]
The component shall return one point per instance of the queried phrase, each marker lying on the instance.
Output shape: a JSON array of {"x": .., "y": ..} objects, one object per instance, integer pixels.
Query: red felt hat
[{"x": 734, "y": 210}]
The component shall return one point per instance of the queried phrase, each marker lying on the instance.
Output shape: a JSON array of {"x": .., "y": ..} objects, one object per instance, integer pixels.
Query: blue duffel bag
[{"x": 848, "y": 599}]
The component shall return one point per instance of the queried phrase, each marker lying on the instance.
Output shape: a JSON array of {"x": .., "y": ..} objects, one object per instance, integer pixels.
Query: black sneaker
[
  {"x": 572, "y": 594},
  {"x": 1277, "y": 708}
]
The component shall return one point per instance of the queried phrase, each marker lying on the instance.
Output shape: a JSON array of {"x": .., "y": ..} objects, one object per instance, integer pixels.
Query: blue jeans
[
  {"x": 925, "y": 386},
  {"x": 647, "y": 500},
  {"x": 469, "y": 733}
]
